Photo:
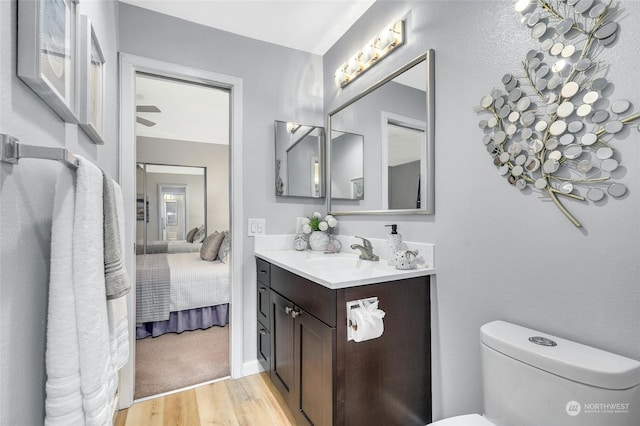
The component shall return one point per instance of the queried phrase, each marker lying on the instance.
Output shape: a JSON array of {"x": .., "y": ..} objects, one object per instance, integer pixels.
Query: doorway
[
  {"x": 130, "y": 67},
  {"x": 173, "y": 212},
  {"x": 404, "y": 162},
  {"x": 182, "y": 307}
]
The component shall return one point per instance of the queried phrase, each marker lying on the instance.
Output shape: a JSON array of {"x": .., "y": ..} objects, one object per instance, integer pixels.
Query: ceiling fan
[{"x": 146, "y": 108}]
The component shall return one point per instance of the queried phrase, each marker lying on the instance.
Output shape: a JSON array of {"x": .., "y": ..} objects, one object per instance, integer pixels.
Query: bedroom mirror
[
  {"x": 381, "y": 145},
  {"x": 299, "y": 160},
  {"x": 171, "y": 201}
]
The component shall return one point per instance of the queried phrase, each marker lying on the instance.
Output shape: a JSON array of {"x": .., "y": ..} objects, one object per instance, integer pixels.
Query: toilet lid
[{"x": 466, "y": 420}]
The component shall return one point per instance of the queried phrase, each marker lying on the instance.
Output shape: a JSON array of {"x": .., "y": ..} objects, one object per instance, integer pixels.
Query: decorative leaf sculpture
[{"x": 551, "y": 127}]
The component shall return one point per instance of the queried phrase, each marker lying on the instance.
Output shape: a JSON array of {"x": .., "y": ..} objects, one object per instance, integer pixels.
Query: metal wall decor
[{"x": 551, "y": 126}]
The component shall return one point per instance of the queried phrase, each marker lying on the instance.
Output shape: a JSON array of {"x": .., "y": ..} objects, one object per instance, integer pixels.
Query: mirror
[
  {"x": 171, "y": 200},
  {"x": 346, "y": 158},
  {"x": 381, "y": 145},
  {"x": 299, "y": 160}
]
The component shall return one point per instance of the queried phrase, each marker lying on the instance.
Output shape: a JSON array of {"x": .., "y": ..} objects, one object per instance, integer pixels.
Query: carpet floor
[{"x": 174, "y": 361}]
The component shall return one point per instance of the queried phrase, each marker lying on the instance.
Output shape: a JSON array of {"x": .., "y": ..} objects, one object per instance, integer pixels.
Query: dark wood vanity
[{"x": 327, "y": 380}]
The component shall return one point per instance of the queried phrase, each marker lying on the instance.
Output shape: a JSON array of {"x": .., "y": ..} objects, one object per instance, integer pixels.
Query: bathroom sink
[{"x": 340, "y": 261}]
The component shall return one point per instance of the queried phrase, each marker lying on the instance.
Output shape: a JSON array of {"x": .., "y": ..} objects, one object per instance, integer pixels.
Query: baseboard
[{"x": 251, "y": 367}]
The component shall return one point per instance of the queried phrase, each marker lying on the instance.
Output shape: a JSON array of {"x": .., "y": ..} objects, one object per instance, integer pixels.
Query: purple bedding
[{"x": 192, "y": 319}]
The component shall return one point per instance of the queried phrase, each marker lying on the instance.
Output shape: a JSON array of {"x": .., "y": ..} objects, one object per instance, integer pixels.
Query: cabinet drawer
[
  {"x": 263, "y": 271},
  {"x": 264, "y": 347},
  {"x": 319, "y": 301},
  {"x": 262, "y": 304}
]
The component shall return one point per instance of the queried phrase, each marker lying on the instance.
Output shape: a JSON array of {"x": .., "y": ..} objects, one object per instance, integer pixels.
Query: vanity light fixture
[
  {"x": 292, "y": 127},
  {"x": 390, "y": 38}
]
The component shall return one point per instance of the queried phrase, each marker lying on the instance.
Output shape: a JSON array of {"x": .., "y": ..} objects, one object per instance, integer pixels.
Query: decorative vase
[{"x": 318, "y": 240}]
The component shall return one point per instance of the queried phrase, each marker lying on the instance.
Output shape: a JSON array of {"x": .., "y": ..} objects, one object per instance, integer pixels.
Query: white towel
[
  {"x": 63, "y": 404},
  {"x": 97, "y": 376},
  {"x": 81, "y": 378},
  {"x": 117, "y": 308}
]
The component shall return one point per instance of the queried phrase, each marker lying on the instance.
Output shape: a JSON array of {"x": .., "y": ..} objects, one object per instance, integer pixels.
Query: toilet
[{"x": 533, "y": 379}]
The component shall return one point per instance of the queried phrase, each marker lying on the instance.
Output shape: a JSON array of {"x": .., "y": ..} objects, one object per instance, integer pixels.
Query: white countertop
[{"x": 340, "y": 270}]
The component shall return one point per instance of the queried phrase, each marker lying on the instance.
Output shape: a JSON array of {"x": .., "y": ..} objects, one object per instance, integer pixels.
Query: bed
[
  {"x": 178, "y": 292},
  {"x": 170, "y": 247}
]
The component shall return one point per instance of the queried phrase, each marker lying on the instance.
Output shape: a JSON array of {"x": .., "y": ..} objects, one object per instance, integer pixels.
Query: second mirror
[{"x": 299, "y": 160}]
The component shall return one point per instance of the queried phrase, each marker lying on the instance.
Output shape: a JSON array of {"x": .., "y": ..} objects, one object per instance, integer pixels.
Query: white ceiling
[
  {"x": 187, "y": 113},
  {"x": 310, "y": 25}
]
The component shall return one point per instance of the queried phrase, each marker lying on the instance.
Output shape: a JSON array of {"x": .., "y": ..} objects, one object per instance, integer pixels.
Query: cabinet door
[
  {"x": 314, "y": 369},
  {"x": 282, "y": 364},
  {"x": 263, "y": 304},
  {"x": 264, "y": 347}
]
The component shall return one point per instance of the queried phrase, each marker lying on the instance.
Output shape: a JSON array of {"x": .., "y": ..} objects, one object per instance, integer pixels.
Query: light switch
[{"x": 256, "y": 227}]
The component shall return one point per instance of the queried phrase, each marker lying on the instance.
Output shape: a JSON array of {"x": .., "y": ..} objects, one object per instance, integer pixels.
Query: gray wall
[
  {"x": 278, "y": 84},
  {"x": 299, "y": 165},
  {"x": 26, "y": 212},
  {"x": 346, "y": 164},
  {"x": 501, "y": 254}
]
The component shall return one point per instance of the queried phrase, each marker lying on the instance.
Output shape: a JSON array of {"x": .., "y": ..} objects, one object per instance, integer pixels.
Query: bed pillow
[
  {"x": 191, "y": 234},
  {"x": 210, "y": 246},
  {"x": 223, "y": 252},
  {"x": 200, "y": 234}
]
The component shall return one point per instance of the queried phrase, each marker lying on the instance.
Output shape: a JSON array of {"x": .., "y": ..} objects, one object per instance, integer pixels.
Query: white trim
[
  {"x": 386, "y": 119},
  {"x": 251, "y": 367},
  {"x": 129, "y": 65}
]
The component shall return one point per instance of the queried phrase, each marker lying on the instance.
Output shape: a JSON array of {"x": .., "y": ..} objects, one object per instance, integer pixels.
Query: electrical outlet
[{"x": 256, "y": 227}]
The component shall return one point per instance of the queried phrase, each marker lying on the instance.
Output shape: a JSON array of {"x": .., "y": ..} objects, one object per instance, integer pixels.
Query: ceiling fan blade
[
  {"x": 147, "y": 108},
  {"x": 145, "y": 122}
]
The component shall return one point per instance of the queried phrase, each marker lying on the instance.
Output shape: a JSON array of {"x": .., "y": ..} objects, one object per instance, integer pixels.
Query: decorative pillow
[
  {"x": 210, "y": 246},
  {"x": 191, "y": 234},
  {"x": 200, "y": 234},
  {"x": 223, "y": 252}
]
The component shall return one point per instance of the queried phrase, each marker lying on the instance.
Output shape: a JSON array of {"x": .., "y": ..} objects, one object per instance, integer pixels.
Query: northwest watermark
[{"x": 574, "y": 408}]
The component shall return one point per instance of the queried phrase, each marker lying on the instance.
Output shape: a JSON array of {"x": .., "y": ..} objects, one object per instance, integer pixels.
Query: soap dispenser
[{"x": 394, "y": 243}]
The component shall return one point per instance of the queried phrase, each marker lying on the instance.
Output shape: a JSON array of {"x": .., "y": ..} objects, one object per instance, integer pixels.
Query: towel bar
[{"x": 12, "y": 151}]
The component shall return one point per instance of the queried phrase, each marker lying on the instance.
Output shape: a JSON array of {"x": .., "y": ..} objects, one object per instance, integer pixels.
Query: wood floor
[{"x": 251, "y": 400}]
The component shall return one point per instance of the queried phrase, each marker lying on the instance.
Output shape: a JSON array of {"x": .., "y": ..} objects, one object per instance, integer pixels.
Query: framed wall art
[
  {"x": 92, "y": 79},
  {"x": 46, "y": 52}
]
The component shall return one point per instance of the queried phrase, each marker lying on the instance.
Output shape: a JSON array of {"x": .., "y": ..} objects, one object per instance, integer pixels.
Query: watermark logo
[{"x": 573, "y": 408}]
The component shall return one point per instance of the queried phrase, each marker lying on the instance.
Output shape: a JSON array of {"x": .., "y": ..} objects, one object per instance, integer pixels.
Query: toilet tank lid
[{"x": 567, "y": 359}]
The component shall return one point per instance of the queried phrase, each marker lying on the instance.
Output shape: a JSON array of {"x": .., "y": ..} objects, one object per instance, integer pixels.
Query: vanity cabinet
[
  {"x": 263, "y": 313},
  {"x": 327, "y": 380},
  {"x": 302, "y": 361}
]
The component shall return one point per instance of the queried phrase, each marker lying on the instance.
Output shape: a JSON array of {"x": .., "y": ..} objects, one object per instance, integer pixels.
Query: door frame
[
  {"x": 389, "y": 118},
  {"x": 129, "y": 65},
  {"x": 162, "y": 205}
]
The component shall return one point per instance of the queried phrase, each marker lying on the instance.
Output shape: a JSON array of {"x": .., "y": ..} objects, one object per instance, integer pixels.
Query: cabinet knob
[
  {"x": 295, "y": 314},
  {"x": 288, "y": 310},
  {"x": 263, "y": 331},
  {"x": 263, "y": 289}
]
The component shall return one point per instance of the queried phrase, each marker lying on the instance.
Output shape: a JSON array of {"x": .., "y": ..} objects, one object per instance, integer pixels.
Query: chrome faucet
[{"x": 366, "y": 249}]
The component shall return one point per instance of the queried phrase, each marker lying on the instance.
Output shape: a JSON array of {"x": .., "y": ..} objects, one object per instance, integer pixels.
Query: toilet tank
[{"x": 531, "y": 378}]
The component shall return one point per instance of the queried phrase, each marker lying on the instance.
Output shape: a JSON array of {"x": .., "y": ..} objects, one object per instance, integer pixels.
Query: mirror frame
[{"x": 429, "y": 202}]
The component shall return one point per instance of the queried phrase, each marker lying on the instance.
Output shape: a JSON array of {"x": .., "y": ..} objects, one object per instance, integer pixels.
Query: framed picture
[
  {"x": 46, "y": 52},
  {"x": 357, "y": 188},
  {"x": 142, "y": 207},
  {"x": 92, "y": 80}
]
